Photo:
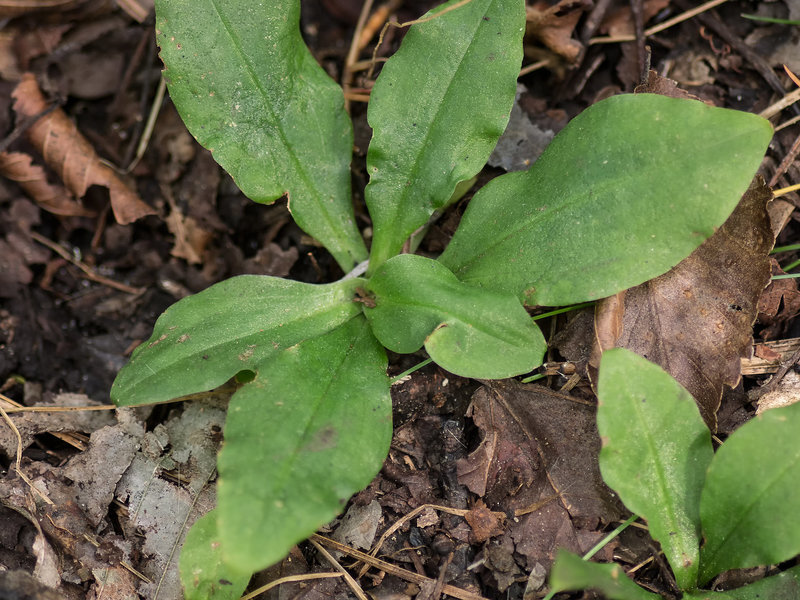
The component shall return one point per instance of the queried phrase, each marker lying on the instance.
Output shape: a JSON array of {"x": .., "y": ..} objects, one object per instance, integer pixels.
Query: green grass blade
[
  {"x": 751, "y": 498},
  {"x": 626, "y": 191},
  {"x": 250, "y": 91},
  {"x": 469, "y": 331},
  {"x": 437, "y": 110},
  {"x": 239, "y": 324},
  {"x": 300, "y": 439},
  {"x": 655, "y": 453},
  {"x": 571, "y": 572},
  {"x": 204, "y": 575}
]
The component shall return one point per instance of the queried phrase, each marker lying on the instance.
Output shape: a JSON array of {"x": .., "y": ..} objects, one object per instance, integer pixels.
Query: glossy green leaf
[
  {"x": 656, "y": 450},
  {"x": 204, "y": 575},
  {"x": 437, "y": 110},
  {"x": 751, "y": 498},
  {"x": 300, "y": 439},
  {"x": 250, "y": 91},
  {"x": 783, "y": 586},
  {"x": 239, "y": 324},
  {"x": 469, "y": 331},
  {"x": 570, "y": 572},
  {"x": 626, "y": 191}
]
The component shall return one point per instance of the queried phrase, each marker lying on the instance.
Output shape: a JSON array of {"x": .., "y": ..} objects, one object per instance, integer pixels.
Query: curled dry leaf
[
  {"x": 553, "y": 25},
  {"x": 18, "y": 167},
  {"x": 696, "y": 320},
  {"x": 68, "y": 153}
]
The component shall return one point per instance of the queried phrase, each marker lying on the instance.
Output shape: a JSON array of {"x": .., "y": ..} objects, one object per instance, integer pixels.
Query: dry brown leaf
[
  {"x": 553, "y": 25},
  {"x": 68, "y": 153},
  {"x": 17, "y": 166},
  {"x": 779, "y": 303},
  {"x": 190, "y": 239},
  {"x": 483, "y": 522},
  {"x": 620, "y": 21},
  {"x": 696, "y": 320},
  {"x": 664, "y": 86}
]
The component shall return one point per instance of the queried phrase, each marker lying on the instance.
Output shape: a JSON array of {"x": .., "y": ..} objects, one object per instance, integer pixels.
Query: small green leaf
[
  {"x": 203, "y": 574},
  {"x": 437, "y": 110},
  {"x": 570, "y": 572},
  {"x": 750, "y": 501},
  {"x": 306, "y": 434},
  {"x": 656, "y": 450},
  {"x": 469, "y": 331},
  {"x": 250, "y": 91},
  {"x": 203, "y": 340},
  {"x": 626, "y": 191},
  {"x": 783, "y": 586}
]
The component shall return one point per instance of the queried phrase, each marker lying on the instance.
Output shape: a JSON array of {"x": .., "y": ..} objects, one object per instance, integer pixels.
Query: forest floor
[{"x": 484, "y": 480}]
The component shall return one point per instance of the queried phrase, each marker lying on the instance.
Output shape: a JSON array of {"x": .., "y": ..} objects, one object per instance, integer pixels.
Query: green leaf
[
  {"x": 751, "y": 500},
  {"x": 783, "y": 586},
  {"x": 469, "y": 331},
  {"x": 250, "y": 91},
  {"x": 570, "y": 572},
  {"x": 626, "y": 191},
  {"x": 300, "y": 439},
  {"x": 203, "y": 340},
  {"x": 203, "y": 574},
  {"x": 656, "y": 450},
  {"x": 437, "y": 110}
]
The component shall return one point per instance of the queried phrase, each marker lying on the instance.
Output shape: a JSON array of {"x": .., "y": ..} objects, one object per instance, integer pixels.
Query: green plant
[
  {"x": 740, "y": 502},
  {"x": 628, "y": 189}
]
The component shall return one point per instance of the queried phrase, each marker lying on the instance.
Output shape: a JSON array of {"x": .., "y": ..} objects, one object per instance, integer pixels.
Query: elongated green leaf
[
  {"x": 203, "y": 574},
  {"x": 570, "y": 572},
  {"x": 203, "y": 340},
  {"x": 437, "y": 110},
  {"x": 783, "y": 586},
  {"x": 626, "y": 191},
  {"x": 656, "y": 450},
  {"x": 249, "y": 90},
  {"x": 301, "y": 438},
  {"x": 469, "y": 331},
  {"x": 751, "y": 498}
]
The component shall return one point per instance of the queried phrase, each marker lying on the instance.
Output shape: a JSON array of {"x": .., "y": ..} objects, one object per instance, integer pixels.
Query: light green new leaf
[
  {"x": 626, "y": 191},
  {"x": 203, "y": 340},
  {"x": 203, "y": 574},
  {"x": 469, "y": 331},
  {"x": 570, "y": 572},
  {"x": 300, "y": 439},
  {"x": 751, "y": 499},
  {"x": 437, "y": 110},
  {"x": 783, "y": 586},
  {"x": 250, "y": 91},
  {"x": 656, "y": 450}
]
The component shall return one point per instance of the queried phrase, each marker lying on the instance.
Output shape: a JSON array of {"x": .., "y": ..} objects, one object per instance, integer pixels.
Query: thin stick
[
  {"x": 352, "y": 583},
  {"x": 352, "y": 54},
  {"x": 391, "y": 569},
  {"x": 289, "y": 579},
  {"x": 533, "y": 67},
  {"x": 18, "y": 461},
  {"x": 90, "y": 274},
  {"x": 144, "y": 141},
  {"x": 661, "y": 26},
  {"x": 784, "y": 102},
  {"x": 786, "y": 190}
]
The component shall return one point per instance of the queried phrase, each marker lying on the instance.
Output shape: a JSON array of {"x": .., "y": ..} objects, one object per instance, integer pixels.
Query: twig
[
  {"x": 18, "y": 461},
  {"x": 289, "y": 579},
  {"x": 352, "y": 583},
  {"x": 352, "y": 54},
  {"x": 90, "y": 274}
]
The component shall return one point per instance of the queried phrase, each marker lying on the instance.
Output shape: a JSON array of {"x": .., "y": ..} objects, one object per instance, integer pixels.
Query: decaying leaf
[
  {"x": 553, "y": 25},
  {"x": 68, "y": 153},
  {"x": 696, "y": 320},
  {"x": 779, "y": 303},
  {"x": 538, "y": 461},
  {"x": 17, "y": 166}
]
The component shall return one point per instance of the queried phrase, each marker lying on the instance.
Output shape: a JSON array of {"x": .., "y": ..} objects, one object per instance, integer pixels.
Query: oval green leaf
[
  {"x": 203, "y": 340},
  {"x": 204, "y": 575},
  {"x": 468, "y": 331},
  {"x": 626, "y": 191},
  {"x": 437, "y": 110},
  {"x": 750, "y": 501},
  {"x": 250, "y": 91},
  {"x": 306, "y": 434},
  {"x": 656, "y": 450},
  {"x": 571, "y": 572}
]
